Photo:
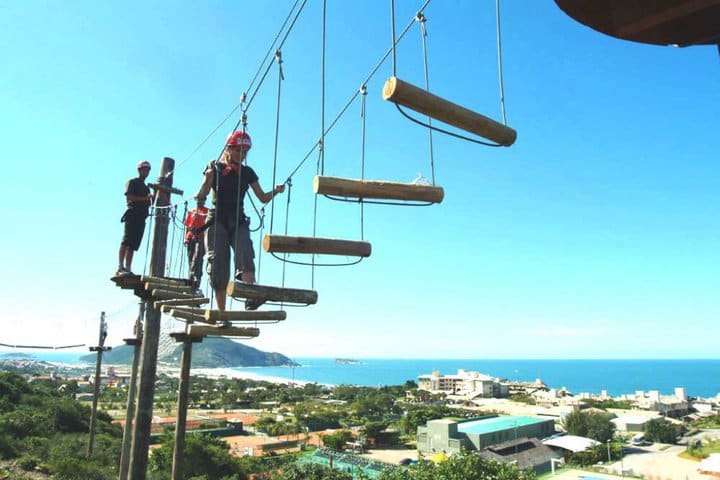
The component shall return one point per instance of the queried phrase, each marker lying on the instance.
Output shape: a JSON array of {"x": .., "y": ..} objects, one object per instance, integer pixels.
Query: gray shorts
[{"x": 220, "y": 237}]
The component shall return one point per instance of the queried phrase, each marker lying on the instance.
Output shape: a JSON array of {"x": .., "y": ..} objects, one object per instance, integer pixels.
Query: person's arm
[
  {"x": 206, "y": 185},
  {"x": 264, "y": 196}
]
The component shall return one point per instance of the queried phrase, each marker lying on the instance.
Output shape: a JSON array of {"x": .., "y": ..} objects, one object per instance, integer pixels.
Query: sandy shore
[{"x": 232, "y": 373}]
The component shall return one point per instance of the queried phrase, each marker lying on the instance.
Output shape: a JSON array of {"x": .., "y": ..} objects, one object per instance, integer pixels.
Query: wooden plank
[
  {"x": 253, "y": 291},
  {"x": 165, "y": 280},
  {"x": 224, "y": 331},
  {"x": 414, "y": 98},
  {"x": 317, "y": 245},
  {"x": 354, "y": 188},
  {"x": 244, "y": 315},
  {"x": 182, "y": 302},
  {"x": 127, "y": 282},
  {"x": 161, "y": 294},
  {"x": 196, "y": 316},
  {"x": 173, "y": 288}
]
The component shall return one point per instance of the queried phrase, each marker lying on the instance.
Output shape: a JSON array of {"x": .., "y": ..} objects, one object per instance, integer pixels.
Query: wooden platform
[
  {"x": 182, "y": 302},
  {"x": 658, "y": 22},
  {"x": 271, "y": 294},
  {"x": 377, "y": 189}
]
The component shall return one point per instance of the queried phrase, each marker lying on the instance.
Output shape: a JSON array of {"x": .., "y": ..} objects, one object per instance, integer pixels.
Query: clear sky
[{"x": 596, "y": 235}]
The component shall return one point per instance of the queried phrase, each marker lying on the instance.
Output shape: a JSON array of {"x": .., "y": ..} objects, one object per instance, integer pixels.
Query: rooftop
[{"x": 487, "y": 425}]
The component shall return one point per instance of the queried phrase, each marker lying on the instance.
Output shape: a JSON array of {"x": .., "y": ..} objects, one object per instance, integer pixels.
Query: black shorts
[{"x": 134, "y": 229}]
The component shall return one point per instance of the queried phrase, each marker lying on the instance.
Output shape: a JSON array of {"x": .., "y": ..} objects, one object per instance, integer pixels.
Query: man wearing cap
[
  {"x": 138, "y": 198},
  {"x": 227, "y": 224}
]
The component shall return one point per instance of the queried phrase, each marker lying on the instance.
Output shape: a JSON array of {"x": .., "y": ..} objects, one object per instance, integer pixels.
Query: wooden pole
[
  {"x": 355, "y": 188},
  {"x": 184, "y": 388},
  {"x": 96, "y": 388},
  {"x": 146, "y": 389},
  {"x": 132, "y": 390},
  {"x": 317, "y": 245},
  {"x": 410, "y": 96}
]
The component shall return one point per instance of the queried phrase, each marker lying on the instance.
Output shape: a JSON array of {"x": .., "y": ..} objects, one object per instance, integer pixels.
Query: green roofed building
[{"x": 451, "y": 436}]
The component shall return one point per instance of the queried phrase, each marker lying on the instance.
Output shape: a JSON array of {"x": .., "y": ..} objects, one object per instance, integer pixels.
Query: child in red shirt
[{"x": 195, "y": 241}]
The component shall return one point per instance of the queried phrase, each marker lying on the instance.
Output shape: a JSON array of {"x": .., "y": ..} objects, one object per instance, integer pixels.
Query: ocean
[{"x": 700, "y": 378}]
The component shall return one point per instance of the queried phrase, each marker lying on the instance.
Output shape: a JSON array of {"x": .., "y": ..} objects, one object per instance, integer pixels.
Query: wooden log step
[
  {"x": 188, "y": 315},
  {"x": 253, "y": 291},
  {"x": 195, "y": 331},
  {"x": 414, "y": 98},
  {"x": 182, "y": 337},
  {"x": 354, "y": 188},
  {"x": 182, "y": 302},
  {"x": 165, "y": 280},
  {"x": 217, "y": 316},
  {"x": 162, "y": 294},
  {"x": 317, "y": 245},
  {"x": 174, "y": 288}
]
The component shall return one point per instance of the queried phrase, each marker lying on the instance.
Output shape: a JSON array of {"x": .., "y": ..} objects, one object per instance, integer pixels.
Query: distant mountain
[{"x": 212, "y": 352}]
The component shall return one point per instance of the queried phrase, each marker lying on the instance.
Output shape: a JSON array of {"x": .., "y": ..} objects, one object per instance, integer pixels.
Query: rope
[
  {"x": 420, "y": 18},
  {"x": 281, "y": 77},
  {"x": 500, "y": 62}
]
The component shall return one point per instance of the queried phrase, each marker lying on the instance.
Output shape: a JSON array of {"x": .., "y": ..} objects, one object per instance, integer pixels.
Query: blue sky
[{"x": 595, "y": 236}]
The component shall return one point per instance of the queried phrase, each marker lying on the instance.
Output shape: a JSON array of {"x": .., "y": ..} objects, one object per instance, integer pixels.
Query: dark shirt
[
  {"x": 136, "y": 186},
  {"x": 229, "y": 189}
]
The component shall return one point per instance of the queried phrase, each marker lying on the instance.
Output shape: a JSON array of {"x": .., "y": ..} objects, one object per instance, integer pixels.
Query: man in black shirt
[
  {"x": 139, "y": 199},
  {"x": 228, "y": 227}
]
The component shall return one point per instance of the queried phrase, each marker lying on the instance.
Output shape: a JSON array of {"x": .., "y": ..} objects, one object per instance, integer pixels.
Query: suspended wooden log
[
  {"x": 266, "y": 293},
  {"x": 182, "y": 337},
  {"x": 326, "y": 246},
  {"x": 131, "y": 341},
  {"x": 173, "y": 288},
  {"x": 189, "y": 315},
  {"x": 161, "y": 294},
  {"x": 244, "y": 315},
  {"x": 224, "y": 331},
  {"x": 414, "y": 98},
  {"x": 166, "y": 281},
  {"x": 348, "y": 187},
  {"x": 182, "y": 302}
]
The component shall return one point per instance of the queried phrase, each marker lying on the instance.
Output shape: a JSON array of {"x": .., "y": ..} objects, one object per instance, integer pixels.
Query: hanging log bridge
[
  {"x": 376, "y": 189},
  {"x": 316, "y": 245},
  {"x": 424, "y": 102}
]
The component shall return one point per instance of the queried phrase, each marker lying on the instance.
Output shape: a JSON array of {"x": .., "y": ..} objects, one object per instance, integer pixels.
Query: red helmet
[
  {"x": 143, "y": 164},
  {"x": 238, "y": 137}
]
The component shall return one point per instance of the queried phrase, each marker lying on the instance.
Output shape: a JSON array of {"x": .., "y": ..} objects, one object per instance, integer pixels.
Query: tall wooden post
[
  {"x": 184, "y": 387},
  {"x": 132, "y": 391},
  {"x": 96, "y": 388},
  {"x": 146, "y": 390}
]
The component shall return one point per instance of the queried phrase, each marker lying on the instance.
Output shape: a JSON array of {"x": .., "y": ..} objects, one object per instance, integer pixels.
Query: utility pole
[
  {"x": 146, "y": 390},
  {"x": 96, "y": 390},
  {"x": 132, "y": 391}
]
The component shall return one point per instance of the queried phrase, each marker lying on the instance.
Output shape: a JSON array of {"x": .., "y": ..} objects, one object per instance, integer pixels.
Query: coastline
[{"x": 236, "y": 374}]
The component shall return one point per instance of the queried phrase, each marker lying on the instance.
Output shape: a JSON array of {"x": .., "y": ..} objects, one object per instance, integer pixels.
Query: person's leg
[
  {"x": 218, "y": 248},
  {"x": 198, "y": 260},
  {"x": 245, "y": 261}
]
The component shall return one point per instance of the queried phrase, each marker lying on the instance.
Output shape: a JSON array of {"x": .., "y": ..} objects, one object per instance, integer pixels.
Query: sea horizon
[{"x": 700, "y": 377}]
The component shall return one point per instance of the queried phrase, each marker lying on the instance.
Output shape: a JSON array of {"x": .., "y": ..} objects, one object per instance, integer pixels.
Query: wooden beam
[
  {"x": 182, "y": 302},
  {"x": 253, "y": 291},
  {"x": 162, "y": 294},
  {"x": 317, "y": 245},
  {"x": 414, "y": 98},
  {"x": 214, "y": 316},
  {"x": 165, "y": 188},
  {"x": 173, "y": 288},
  {"x": 348, "y": 187},
  {"x": 127, "y": 282},
  {"x": 196, "y": 316},
  {"x": 165, "y": 281},
  {"x": 224, "y": 331}
]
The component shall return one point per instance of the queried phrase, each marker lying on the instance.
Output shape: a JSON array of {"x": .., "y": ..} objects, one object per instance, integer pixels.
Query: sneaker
[
  {"x": 253, "y": 304},
  {"x": 199, "y": 293},
  {"x": 121, "y": 272}
]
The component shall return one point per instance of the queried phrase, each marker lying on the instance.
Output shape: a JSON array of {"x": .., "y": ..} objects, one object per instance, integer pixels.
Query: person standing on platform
[
  {"x": 228, "y": 227},
  {"x": 195, "y": 242},
  {"x": 139, "y": 199}
]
